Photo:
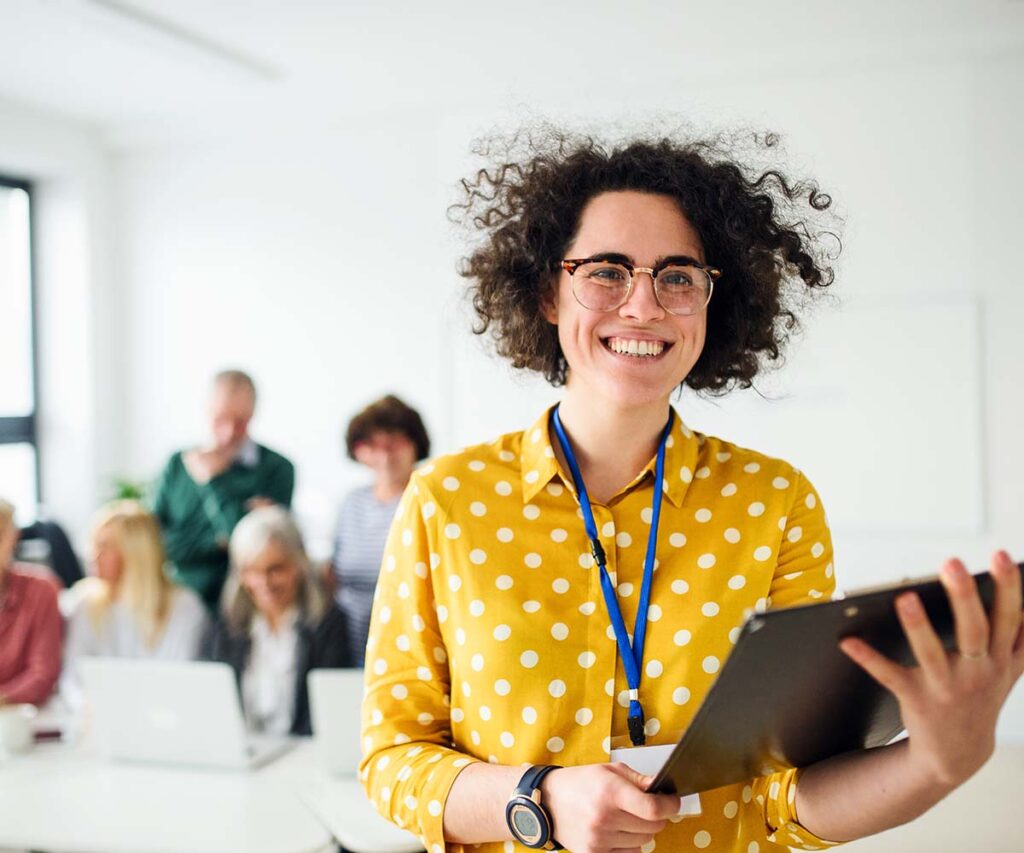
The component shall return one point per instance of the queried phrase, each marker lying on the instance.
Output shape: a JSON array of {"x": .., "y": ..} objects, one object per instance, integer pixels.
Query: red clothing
[{"x": 30, "y": 639}]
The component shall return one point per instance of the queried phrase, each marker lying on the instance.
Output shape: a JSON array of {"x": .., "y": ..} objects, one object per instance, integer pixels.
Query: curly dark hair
[
  {"x": 755, "y": 226},
  {"x": 388, "y": 414}
]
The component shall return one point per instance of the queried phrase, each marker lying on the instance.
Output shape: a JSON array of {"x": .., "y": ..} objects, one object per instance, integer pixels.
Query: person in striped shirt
[{"x": 389, "y": 438}]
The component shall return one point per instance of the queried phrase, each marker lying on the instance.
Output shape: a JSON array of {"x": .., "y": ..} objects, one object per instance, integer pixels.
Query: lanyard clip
[
  {"x": 598, "y": 551},
  {"x": 636, "y": 729}
]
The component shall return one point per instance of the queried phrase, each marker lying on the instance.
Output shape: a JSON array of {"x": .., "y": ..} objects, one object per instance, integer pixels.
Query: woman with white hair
[
  {"x": 275, "y": 623},
  {"x": 128, "y": 607}
]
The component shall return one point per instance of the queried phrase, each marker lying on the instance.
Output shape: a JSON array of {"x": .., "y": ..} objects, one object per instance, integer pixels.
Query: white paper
[{"x": 649, "y": 760}]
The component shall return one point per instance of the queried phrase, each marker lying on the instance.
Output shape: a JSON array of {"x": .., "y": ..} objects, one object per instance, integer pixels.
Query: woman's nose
[{"x": 642, "y": 304}]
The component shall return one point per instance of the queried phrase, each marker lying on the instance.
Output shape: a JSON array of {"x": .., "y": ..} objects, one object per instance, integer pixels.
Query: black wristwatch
[{"x": 525, "y": 814}]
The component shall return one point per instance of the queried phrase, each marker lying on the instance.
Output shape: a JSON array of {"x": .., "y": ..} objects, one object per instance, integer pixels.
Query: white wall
[
  {"x": 319, "y": 257},
  {"x": 311, "y": 260},
  {"x": 80, "y": 399},
  {"x": 321, "y": 260}
]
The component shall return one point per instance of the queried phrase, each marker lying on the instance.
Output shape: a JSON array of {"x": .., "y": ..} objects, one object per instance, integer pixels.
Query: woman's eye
[
  {"x": 676, "y": 278},
  {"x": 609, "y": 274}
]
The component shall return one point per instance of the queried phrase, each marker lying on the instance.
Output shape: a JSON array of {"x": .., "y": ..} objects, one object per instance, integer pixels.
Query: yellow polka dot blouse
[{"x": 490, "y": 640}]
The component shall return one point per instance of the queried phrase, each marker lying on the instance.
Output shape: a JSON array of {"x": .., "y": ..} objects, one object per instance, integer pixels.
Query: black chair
[{"x": 59, "y": 555}]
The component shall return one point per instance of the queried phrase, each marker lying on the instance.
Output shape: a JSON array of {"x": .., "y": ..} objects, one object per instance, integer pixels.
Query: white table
[
  {"x": 342, "y": 806},
  {"x": 62, "y": 798}
]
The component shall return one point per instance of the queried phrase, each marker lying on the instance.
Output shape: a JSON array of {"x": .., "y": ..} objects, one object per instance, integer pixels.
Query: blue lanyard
[{"x": 632, "y": 655}]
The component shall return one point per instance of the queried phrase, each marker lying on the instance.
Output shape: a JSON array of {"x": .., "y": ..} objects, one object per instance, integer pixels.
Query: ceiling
[{"x": 144, "y": 69}]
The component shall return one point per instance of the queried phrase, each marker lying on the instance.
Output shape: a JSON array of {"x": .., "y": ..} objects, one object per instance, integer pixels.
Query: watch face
[{"x": 525, "y": 824}]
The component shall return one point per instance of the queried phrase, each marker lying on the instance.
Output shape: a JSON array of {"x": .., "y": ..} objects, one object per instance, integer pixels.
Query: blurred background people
[
  {"x": 389, "y": 438},
  {"x": 30, "y": 625},
  {"x": 203, "y": 492},
  {"x": 275, "y": 623},
  {"x": 129, "y": 607}
]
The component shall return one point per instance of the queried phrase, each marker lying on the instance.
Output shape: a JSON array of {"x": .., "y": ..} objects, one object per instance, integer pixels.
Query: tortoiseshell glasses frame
[{"x": 610, "y": 282}]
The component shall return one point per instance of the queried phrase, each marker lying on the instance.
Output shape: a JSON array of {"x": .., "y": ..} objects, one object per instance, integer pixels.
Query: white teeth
[{"x": 630, "y": 346}]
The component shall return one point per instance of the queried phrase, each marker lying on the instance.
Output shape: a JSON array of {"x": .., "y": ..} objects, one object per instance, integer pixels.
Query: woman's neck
[
  {"x": 277, "y": 617},
  {"x": 386, "y": 489},
  {"x": 612, "y": 444}
]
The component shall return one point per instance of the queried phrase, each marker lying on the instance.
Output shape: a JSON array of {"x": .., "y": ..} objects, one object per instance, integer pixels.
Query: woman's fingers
[
  {"x": 626, "y": 840},
  {"x": 924, "y": 642},
  {"x": 643, "y": 812},
  {"x": 1006, "y": 611},
  {"x": 972, "y": 628},
  {"x": 889, "y": 674},
  {"x": 1018, "y": 651},
  {"x": 634, "y": 777},
  {"x": 628, "y": 822}
]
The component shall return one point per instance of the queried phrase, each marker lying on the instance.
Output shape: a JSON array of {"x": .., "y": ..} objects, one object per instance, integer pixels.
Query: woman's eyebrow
[
  {"x": 614, "y": 257},
  {"x": 675, "y": 259},
  {"x": 664, "y": 260}
]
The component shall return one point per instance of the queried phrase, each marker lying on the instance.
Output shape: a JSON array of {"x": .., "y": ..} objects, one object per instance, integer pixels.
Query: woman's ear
[{"x": 549, "y": 303}]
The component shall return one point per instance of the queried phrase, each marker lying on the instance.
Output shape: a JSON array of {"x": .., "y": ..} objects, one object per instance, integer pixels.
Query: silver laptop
[
  {"x": 172, "y": 712},
  {"x": 336, "y": 698}
]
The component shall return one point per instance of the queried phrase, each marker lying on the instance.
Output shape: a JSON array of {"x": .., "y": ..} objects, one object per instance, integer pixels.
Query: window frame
[{"x": 24, "y": 429}]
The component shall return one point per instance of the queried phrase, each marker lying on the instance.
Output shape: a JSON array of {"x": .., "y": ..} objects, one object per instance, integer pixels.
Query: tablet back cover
[{"x": 788, "y": 697}]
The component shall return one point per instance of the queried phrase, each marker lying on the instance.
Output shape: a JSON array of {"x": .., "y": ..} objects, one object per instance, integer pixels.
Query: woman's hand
[
  {"x": 951, "y": 701},
  {"x": 598, "y": 807}
]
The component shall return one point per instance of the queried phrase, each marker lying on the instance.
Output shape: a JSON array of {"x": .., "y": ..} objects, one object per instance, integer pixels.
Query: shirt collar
[
  {"x": 261, "y": 628},
  {"x": 248, "y": 454},
  {"x": 540, "y": 466}
]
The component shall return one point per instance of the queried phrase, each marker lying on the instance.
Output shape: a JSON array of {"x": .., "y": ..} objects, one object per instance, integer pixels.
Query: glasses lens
[
  {"x": 683, "y": 289},
  {"x": 600, "y": 286}
]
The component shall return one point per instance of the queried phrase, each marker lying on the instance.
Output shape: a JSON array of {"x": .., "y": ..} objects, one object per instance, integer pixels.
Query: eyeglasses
[{"x": 681, "y": 285}]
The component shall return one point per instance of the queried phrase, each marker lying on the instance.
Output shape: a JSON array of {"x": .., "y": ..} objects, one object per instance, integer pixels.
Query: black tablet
[{"x": 788, "y": 697}]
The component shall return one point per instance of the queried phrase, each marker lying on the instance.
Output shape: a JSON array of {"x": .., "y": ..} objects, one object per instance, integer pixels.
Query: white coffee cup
[{"x": 16, "y": 728}]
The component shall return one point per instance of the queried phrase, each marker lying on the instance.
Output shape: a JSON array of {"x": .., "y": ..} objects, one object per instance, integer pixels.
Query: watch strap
[
  {"x": 532, "y": 778},
  {"x": 530, "y": 782}
]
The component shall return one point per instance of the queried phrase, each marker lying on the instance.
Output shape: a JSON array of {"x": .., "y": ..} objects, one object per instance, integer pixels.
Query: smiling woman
[
  {"x": 547, "y": 594},
  {"x": 754, "y": 227}
]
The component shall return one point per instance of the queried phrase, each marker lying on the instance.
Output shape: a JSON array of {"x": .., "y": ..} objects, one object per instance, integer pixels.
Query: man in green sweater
[{"x": 202, "y": 493}]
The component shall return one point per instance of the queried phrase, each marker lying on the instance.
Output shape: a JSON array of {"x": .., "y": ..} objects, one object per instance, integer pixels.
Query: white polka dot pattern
[{"x": 488, "y": 627}]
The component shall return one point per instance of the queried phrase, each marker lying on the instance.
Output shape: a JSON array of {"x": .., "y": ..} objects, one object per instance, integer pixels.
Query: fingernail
[
  {"x": 1004, "y": 557},
  {"x": 953, "y": 572},
  {"x": 909, "y": 604}
]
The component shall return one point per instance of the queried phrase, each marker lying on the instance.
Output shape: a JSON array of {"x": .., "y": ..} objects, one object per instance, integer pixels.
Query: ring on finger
[{"x": 974, "y": 655}]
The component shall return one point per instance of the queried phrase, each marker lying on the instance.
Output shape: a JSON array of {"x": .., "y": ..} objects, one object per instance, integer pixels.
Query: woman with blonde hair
[
  {"x": 275, "y": 623},
  {"x": 128, "y": 607}
]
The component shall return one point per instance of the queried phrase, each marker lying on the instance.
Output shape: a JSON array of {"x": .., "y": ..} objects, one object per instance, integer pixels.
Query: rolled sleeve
[
  {"x": 409, "y": 760},
  {"x": 777, "y": 796}
]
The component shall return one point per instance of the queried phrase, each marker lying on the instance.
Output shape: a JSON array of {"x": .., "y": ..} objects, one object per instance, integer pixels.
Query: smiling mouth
[{"x": 633, "y": 348}]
